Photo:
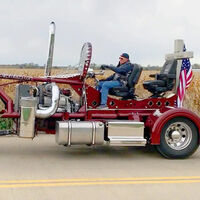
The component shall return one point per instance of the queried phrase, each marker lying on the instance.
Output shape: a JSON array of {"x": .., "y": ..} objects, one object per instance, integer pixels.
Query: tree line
[{"x": 92, "y": 66}]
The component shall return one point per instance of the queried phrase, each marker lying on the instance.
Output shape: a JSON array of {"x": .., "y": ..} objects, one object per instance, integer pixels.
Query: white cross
[{"x": 179, "y": 54}]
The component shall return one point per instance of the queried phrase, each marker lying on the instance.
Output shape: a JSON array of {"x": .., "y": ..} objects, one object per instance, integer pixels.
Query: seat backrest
[
  {"x": 169, "y": 67},
  {"x": 134, "y": 76}
]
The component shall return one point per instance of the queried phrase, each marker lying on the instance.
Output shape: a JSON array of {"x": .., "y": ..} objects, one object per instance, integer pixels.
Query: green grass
[{"x": 6, "y": 124}]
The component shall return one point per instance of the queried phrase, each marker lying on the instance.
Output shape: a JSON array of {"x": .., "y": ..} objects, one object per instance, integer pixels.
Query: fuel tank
[{"x": 79, "y": 132}]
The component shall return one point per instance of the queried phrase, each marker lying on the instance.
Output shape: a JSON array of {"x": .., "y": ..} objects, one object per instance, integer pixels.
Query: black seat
[
  {"x": 128, "y": 90},
  {"x": 164, "y": 81}
]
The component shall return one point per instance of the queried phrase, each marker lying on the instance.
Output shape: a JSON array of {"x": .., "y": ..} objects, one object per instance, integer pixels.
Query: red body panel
[
  {"x": 154, "y": 112},
  {"x": 7, "y": 102}
]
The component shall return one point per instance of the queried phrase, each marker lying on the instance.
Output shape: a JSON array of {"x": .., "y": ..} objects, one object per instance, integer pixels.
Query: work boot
[{"x": 102, "y": 107}]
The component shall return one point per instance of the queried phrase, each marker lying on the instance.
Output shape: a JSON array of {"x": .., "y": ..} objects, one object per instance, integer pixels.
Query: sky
[{"x": 145, "y": 29}]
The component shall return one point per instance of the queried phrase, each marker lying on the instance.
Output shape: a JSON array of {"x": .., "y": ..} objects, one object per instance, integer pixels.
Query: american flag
[{"x": 185, "y": 79}]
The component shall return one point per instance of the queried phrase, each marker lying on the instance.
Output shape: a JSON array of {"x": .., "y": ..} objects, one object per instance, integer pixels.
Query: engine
[
  {"x": 37, "y": 104},
  {"x": 65, "y": 104},
  {"x": 43, "y": 95}
]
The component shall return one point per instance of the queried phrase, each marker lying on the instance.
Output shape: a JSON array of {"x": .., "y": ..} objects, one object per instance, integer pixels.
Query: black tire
[{"x": 179, "y": 138}]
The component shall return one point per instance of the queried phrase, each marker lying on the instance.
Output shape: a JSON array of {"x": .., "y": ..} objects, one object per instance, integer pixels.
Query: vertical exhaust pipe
[{"x": 48, "y": 66}]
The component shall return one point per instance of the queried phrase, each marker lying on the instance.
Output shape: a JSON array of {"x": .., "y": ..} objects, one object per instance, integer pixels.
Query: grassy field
[{"x": 192, "y": 97}]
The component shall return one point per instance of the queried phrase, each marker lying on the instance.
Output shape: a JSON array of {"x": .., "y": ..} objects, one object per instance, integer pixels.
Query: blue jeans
[{"x": 104, "y": 86}]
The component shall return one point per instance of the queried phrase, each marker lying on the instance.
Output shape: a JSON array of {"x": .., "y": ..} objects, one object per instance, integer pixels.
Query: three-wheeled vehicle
[{"x": 49, "y": 106}]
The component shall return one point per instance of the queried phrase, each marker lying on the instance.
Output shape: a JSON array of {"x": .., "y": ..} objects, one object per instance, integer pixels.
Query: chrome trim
[
  {"x": 127, "y": 141},
  {"x": 126, "y": 128},
  {"x": 48, "y": 67},
  {"x": 69, "y": 133},
  {"x": 126, "y": 133},
  {"x": 93, "y": 133}
]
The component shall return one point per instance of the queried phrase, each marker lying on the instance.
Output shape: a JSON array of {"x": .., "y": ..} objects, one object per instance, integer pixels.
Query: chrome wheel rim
[{"x": 178, "y": 135}]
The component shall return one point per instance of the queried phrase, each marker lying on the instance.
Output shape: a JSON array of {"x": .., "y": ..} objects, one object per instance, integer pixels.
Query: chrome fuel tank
[{"x": 79, "y": 132}]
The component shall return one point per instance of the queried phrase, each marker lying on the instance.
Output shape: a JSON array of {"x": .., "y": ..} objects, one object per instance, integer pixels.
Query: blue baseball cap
[{"x": 125, "y": 55}]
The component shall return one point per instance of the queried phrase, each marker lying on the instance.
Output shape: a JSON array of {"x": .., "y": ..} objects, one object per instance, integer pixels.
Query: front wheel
[{"x": 179, "y": 138}]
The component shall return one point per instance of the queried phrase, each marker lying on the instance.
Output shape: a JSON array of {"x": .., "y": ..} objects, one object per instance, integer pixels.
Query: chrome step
[
  {"x": 126, "y": 133},
  {"x": 127, "y": 141}
]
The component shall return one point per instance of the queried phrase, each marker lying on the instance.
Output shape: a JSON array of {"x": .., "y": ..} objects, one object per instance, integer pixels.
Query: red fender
[{"x": 166, "y": 116}]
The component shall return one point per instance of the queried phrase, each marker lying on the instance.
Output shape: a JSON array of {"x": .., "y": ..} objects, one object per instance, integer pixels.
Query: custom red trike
[{"x": 128, "y": 121}]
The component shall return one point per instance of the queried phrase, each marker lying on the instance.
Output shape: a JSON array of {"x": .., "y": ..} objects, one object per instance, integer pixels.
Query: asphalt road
[{"x": 42, "y": 170}]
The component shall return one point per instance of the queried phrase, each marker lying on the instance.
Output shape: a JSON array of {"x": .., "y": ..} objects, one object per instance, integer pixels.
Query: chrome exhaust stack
[
  {"x": 48, "y": 67},
  {"x": 44, "y": 112},
  {"x": 29, "y": 110}
]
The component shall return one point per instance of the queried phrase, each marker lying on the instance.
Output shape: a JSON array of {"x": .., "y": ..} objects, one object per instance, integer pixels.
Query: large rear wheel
[{"x": 179, "y": 138}]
